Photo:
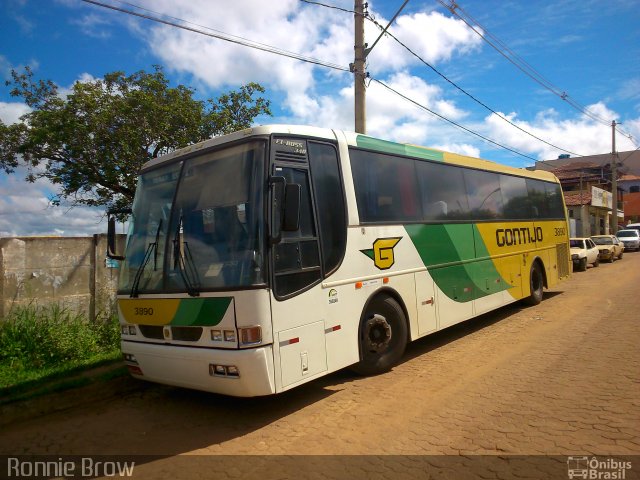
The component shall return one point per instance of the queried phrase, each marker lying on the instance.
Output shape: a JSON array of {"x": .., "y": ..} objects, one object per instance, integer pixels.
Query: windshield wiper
[
  {"x": 185, "y": 263},
  {"x": 152, "y": 248}
]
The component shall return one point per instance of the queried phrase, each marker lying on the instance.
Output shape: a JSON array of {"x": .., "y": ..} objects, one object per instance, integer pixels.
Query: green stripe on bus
[
  {"x": 449, "y": 253},
  {"x": 398, "y": 148},
  {"x": 201, "y": 312}
]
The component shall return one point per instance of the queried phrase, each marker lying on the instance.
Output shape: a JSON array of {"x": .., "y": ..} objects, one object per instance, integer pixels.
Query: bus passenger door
[{"x": 425, "y": 303}]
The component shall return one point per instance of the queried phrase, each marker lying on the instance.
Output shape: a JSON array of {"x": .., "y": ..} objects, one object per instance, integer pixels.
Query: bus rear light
[
  {"x": 230, "y": 336},
  {"x": 250, "y": 335}
]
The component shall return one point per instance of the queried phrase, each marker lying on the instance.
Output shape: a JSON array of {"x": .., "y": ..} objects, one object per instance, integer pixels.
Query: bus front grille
[
  {"x": 183, "y": 334},
  {"x": 152, "y": 331},
  {"x": 186, "y": 334}
]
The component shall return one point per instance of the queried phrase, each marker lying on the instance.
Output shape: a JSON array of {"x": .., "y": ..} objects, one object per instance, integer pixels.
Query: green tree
[{"x": 93, "y": 141}]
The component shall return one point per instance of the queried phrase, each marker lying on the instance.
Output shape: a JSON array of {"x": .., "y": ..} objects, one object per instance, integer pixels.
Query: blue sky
[{"x": 585, "y": 48}]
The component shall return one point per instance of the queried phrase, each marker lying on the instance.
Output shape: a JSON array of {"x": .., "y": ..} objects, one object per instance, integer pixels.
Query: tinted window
[
  {"x": 398, "y": 189},
  {"x": 443, "y": 195},
  {"x": 554, "y": 200},
  {"x": 483, "y": 192},
  {"x": 327, "y": 187},
  {"x": 537, "y": 196},
  {"x": 386, "y": 187},
  {"x": 514, "y": 197}
]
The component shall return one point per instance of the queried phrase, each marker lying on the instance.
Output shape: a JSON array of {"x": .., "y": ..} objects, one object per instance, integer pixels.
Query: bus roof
[{"x": 356, "y": 140}]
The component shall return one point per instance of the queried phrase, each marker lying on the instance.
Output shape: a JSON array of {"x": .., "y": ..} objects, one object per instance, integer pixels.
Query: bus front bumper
[{"x": 239, "y": 373}]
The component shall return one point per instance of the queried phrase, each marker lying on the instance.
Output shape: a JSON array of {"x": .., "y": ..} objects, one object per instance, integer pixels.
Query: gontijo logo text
[
  {"x": 382, "y": 252},
  {"x": 506, "y": 237}
]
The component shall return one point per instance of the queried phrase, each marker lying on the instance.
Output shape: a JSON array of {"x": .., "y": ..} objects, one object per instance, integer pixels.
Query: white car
[
  {"x": 630, "y": 238},
  {"x": 633, "y": 226},
  {"x": 583, "y": 253}
]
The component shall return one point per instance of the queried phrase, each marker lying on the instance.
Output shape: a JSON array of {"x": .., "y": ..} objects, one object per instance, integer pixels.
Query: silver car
[{"x": 630, "y": 238}]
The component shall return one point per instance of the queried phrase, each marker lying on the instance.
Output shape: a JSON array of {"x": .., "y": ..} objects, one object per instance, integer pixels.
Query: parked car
[
  {"x": 609, "y": 247},
  {"x": 583, "y": 252},
  {"x": 633, "y": 226},
  {"x": 630, "y": 239}
]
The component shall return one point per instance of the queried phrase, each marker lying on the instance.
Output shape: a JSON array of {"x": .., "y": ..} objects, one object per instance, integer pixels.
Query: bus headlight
[
  {"x": 230, "y": 336},
  {"x": 250, "y": 335},
  {"x": 216, "y": 335}
]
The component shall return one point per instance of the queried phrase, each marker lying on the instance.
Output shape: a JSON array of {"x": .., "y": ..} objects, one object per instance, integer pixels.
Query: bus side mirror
[
  {"x": 291, "y": 220},
  {"x": 111, "y": 233},
  {"x": 277, "y": 205},
  {"x": 111, "y": 239},
  {"x": 285, "y": 208}
]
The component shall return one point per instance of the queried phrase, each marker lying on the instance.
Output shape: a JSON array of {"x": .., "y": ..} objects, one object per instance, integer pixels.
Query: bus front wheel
[
  {"x": 536, "y": 285},
  {"x": 382, "y": 336}
]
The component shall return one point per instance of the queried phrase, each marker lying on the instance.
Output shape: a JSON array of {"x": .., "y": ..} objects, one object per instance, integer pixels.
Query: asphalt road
[{"x": 559, "y": 379}]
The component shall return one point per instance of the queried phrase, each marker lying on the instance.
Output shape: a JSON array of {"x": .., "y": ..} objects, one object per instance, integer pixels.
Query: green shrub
[{"x": 39, "y": 337}]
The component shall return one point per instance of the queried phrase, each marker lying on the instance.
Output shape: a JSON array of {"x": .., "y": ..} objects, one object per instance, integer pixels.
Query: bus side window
[
  {"x": 330, "y": 206},
  {"x": 297, "y": 256},
  {"x": 443, "y": 192}
]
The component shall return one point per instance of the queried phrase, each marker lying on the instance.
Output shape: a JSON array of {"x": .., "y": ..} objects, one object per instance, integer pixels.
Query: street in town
[{"x": 559, "y": 379}]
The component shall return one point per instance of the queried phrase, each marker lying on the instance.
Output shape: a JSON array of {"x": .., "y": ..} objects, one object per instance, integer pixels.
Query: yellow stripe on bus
[{"x": 149, "y": 311}]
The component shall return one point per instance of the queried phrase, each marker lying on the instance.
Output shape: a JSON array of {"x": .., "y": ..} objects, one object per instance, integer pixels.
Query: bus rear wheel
[
  {"x": 536, "y": 285},
  {"x": 382, "y": 336}
]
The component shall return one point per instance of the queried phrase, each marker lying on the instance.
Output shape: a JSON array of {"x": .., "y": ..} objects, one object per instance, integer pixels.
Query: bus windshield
[{"x": 197, "y": 225}]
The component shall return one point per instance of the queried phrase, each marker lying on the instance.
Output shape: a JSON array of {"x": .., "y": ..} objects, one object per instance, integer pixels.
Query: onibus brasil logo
[{"x": 382, "y": 252}]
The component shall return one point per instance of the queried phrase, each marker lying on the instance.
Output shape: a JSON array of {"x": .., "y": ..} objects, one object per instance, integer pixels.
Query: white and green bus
[{"x": 269, "y": 257}]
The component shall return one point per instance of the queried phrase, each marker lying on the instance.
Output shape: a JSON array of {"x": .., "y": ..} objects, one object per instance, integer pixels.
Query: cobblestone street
[{"x": 558, "y": 379}]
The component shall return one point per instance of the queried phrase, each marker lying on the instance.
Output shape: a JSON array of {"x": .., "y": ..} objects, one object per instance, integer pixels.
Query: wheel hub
[{"x": 377, "y": 333}]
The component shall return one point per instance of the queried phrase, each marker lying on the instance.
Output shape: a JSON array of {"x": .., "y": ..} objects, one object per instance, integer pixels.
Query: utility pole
[
  {"x": 358, "y": 69},
  {"x": 614, "y": 179},
  {"x": 358, "y": 65}
]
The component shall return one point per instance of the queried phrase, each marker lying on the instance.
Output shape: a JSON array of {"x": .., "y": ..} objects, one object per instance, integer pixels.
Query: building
[
  {"x": 586, "y": 183},
  {"x": 631, "y": 197},
  {"x": 586, "y": 187}
]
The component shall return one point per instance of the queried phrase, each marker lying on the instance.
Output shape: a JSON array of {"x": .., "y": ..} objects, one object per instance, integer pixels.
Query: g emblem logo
[{"x": 382, "y": 252}]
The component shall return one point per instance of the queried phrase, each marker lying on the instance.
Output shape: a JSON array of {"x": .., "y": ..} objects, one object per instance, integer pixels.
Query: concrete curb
[{"x": 99, "y": 389}]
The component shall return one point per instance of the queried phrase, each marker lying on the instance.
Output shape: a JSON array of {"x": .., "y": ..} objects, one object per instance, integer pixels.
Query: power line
[
  {"x": 221, "y": 36},
  {"x": 334, "y": 7},
  {"x": 504, "y": 50},
  {"x": 423, "y": 107},
  {"x": 472, "y": 97},
  {"x": 276, "y": 51}
]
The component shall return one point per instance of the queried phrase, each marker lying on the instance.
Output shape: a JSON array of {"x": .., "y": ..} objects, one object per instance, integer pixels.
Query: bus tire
[
  {"x": 382, "y": 336},
  {"x": 536, "y": 285}
]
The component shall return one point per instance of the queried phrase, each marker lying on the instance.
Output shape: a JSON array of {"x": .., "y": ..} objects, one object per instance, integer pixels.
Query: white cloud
[
  {"x": 10, "y": 112},
  {"x": 432, "y": 36},
  {"x": 459, "y": 148},
  {"x": 581, "y": 135},
  {"x": 309, "y": 30},
  {"x": 26, "y": 210},
  {"x": 94, "y": 25}
]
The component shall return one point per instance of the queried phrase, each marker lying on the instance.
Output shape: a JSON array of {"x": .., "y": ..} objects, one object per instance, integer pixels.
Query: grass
[{"x": 40, "y": 344}]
